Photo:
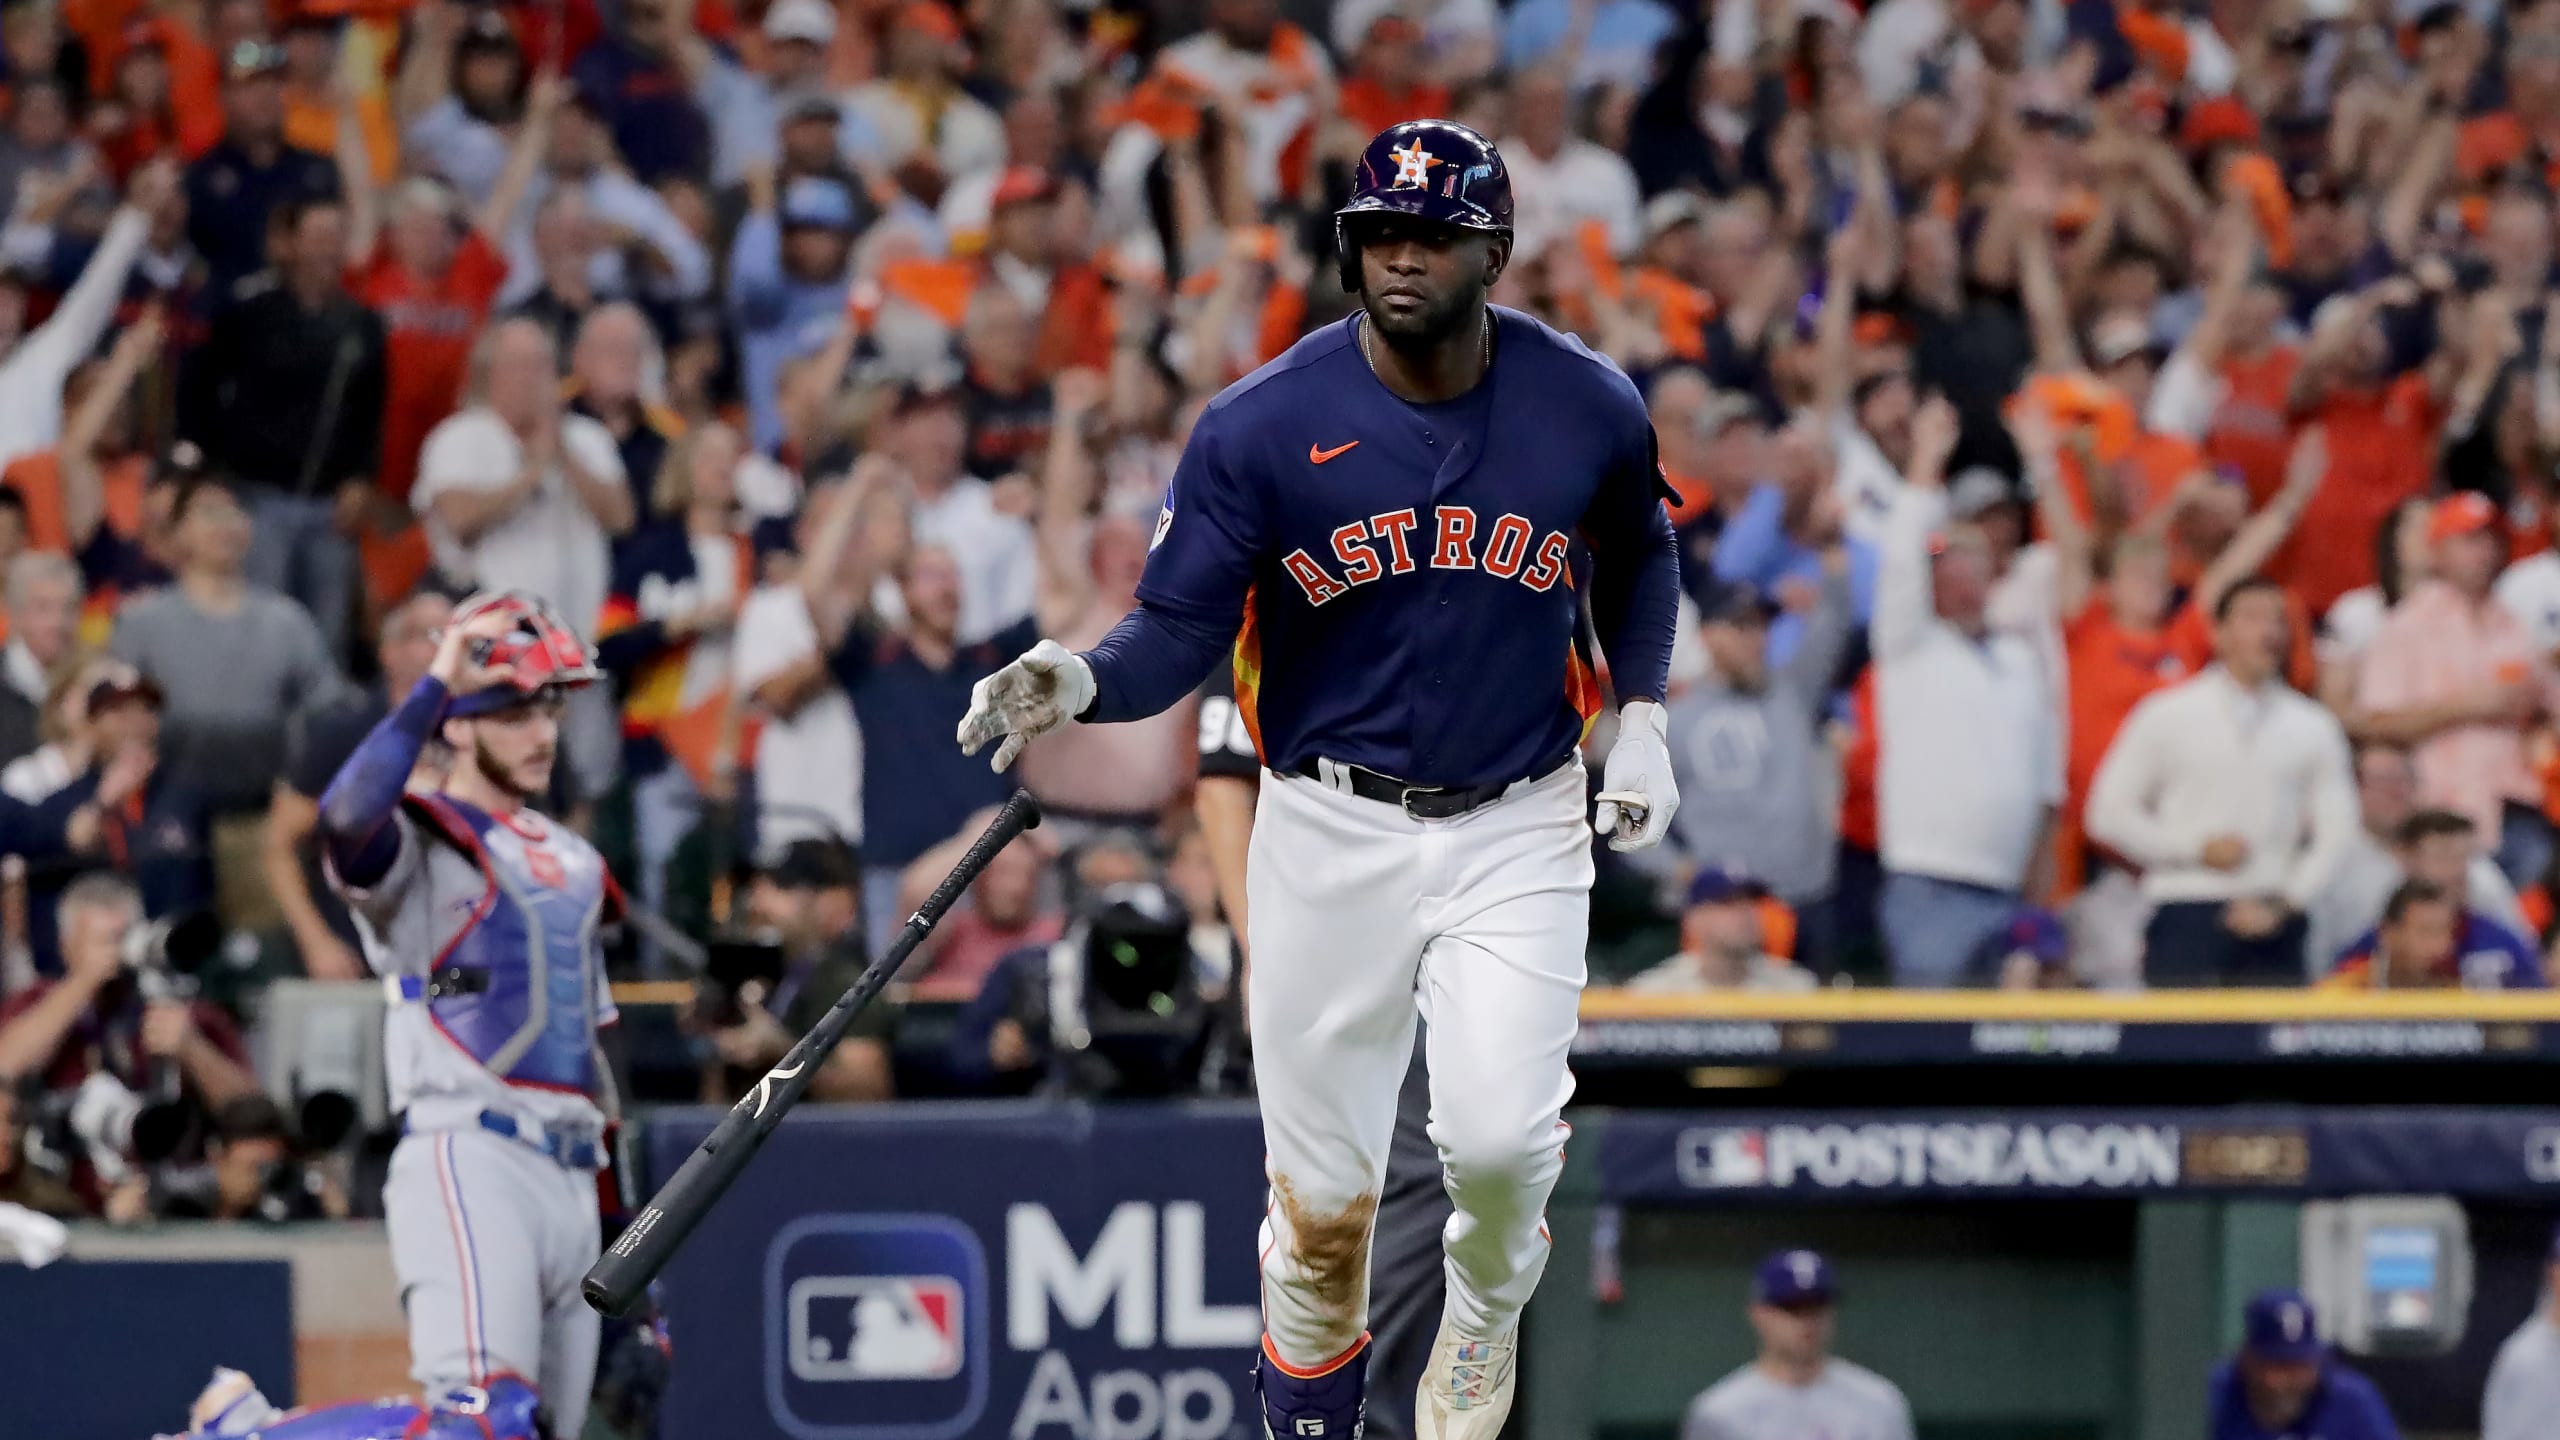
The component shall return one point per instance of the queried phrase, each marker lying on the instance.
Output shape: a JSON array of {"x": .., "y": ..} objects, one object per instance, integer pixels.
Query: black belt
[{"x": 1422, "y": 802}]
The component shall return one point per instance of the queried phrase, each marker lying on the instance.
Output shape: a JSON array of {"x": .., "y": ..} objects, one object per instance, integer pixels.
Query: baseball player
[
  {"x": 1397, "y": 528},
  {"x": 482, "y": 916}
]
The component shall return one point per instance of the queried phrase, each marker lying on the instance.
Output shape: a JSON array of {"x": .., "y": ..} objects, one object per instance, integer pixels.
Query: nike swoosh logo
[{"x": 1318, "y": 457}]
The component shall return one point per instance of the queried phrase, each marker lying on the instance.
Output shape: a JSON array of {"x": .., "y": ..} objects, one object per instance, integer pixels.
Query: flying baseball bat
[{"x": 622, "y": 1273}]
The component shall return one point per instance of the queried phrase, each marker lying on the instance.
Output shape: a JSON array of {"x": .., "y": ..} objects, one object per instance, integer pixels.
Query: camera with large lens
[
  {"x": 732, "y": 965},
  {"x": 167, "y": 957},
  {"x": 1131, "y": 1021}
]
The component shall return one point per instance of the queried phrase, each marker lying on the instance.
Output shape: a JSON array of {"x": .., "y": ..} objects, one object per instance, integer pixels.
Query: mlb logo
[
  {"x": 876, "y": 1328},
  {"x": 1724, "y": 1159}
]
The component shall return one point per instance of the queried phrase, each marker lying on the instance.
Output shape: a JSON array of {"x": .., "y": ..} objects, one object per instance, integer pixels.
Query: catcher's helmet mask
[
  {"x": 1437, "y": 171},
  {"x": 539, "y": 657}
]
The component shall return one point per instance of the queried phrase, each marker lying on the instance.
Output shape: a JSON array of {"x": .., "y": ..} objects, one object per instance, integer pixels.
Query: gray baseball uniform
[
  {"x": 1844, "y": 1402},
  {"x": 484, "y": 927}
]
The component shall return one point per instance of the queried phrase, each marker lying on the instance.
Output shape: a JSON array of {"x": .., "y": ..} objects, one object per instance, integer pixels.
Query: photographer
[
  {"x": 806, "y": 950},
  {"x": 111, "y": 1033},
  {"x": 254, "y": 1171}
]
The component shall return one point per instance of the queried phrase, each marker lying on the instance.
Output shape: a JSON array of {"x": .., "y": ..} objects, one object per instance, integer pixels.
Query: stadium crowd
[{"x": 2115, "y": 445}]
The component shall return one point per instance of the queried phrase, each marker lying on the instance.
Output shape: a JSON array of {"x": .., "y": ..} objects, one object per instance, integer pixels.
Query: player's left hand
[
  {"x": 1044, "y": 689},
  {"x": 1637, "y": 797}
]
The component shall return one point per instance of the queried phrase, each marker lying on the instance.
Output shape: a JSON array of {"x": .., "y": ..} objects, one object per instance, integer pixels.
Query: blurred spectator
[
  {"x": 44, "y": 598},
  {"x": 1781, "y": 539},
  {"x": 809, "y": 900},
  {"x": 1007, "y": 909},
  {"x": 2403, "y": 558},
  {"x": 2478, "y": 952},
  {"x": 2394, "y": 842},
  {"x": 1747, "y": 740},
  {"x": 633, "y": 245},
  {"x": 677, "y": 589},
  {"x": 432, "y": 273},
  {"x": 324, "y": 935},
  {"x": 1797, "y": 1386},
  {"x": 2236, "y": 797},
  {"x": 461, "y": 88},
  {"x": 69, "y": 739},
  {"x": 251, "y": 173},
  {"x": 809, "y": 753},
  {"x": 39, "y": 140},
  {"x": 1971, "y": 769},
  {"x": 155, "y": 826},
  {"x": 516, "y": 494},
  {"x": 34, "y": 364},
  {"x": 1007, "y": 404},
  {"x": 97, "y": 1031},
  {"x": 85, "y": 497},
  {"x": 611, "y": 349},
  {"x": 1609, "y": 42},
  {"x": 2033, "y": 954},
  {"x": 910, "y": 685},
  {"x": 232, "y": 658},
  {"x": 2453, "y": 674},
  {"x": 1089, "y": 568},
  {"x": 1560, "y": 180},
  {"x": 989, "y": 540},
  {"x": 2524, "y": 1382},
  {"x": 1722, "y": 946},
  {"x": 2285, "y": 1382},
  {"x": 636, "y": 81},
  {"x": 787, "y": 282},
  {"x": 926, "y": 124},
  {"x": 286, "y": 396}
]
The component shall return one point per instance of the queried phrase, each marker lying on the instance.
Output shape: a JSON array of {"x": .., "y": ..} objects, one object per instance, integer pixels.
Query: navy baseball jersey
[{"x": 1402, "y": 584}]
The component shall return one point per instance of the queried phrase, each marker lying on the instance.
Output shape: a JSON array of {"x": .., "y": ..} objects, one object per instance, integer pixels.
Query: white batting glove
[
  {"x": 1637, "y": 797},
  {"x": 1044, "y": 689}
]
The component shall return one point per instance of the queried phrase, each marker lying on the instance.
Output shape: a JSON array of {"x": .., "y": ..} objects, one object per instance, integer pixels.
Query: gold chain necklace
[{"x": 1371, "y": 356}]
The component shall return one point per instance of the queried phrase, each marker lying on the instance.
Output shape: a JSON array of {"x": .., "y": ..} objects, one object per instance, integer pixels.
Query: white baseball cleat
[{"x": 1466, "y": 1390}]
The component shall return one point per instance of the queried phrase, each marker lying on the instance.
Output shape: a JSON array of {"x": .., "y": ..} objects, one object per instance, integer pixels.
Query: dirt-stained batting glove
[
  {"x": 1044, "y": 689},
  {"x": 1637, "y": 797}
]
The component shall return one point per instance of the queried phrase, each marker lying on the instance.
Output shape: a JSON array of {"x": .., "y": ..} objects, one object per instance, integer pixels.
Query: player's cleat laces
[{"x": 1466, "y": 1391}]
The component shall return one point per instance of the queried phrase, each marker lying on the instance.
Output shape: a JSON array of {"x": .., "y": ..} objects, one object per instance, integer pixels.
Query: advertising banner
[
  {"x": 1662, "y": 1157},
  {"x": 932, "y": 1272}
]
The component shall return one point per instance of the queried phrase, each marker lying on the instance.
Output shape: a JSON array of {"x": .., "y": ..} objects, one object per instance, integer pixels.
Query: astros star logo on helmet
[{"x": 1413, "y": 166}]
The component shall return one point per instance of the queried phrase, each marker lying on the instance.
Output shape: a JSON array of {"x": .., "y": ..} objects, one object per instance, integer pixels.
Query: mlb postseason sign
[
  {"x": 947, "y": 1272},
  {"x": 1656, "y": 1157}
]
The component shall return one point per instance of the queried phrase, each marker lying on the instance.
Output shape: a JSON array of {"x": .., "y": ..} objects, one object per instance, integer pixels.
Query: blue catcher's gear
[
  {"x": 1435, "y": 170},
  {"x": 506, "y": 1408}
]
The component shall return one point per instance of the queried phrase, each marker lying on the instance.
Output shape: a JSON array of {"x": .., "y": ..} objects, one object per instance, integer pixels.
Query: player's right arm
[
  {"x": 359, "y": 810},
  {"x": 1190, "y": 606}
]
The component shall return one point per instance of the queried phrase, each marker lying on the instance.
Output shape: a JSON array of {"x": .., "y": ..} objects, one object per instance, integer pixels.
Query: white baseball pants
[
  {"x": 490, "y": 1240},
  {"x": 1359, "y": 916}
]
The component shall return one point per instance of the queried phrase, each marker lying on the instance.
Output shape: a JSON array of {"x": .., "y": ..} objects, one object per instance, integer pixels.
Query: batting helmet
[
  {"x": 1431, "y": 170},
  {"x": 538, "y": 652}
]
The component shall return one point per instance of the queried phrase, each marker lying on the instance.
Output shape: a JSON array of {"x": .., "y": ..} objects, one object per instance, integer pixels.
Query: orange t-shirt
[
  {"x": 2382, "y": 450},
  {"x": 1860, "y": 824},
  {"x": 311, "y": 123},
  {"x": 2250, "y": 431},
  {"x": 1372, "y": 108},
  {"x": 2111, "y": 670},
  {"x": 428, "y": 327},
  {"x": 37, "y": 478}
]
